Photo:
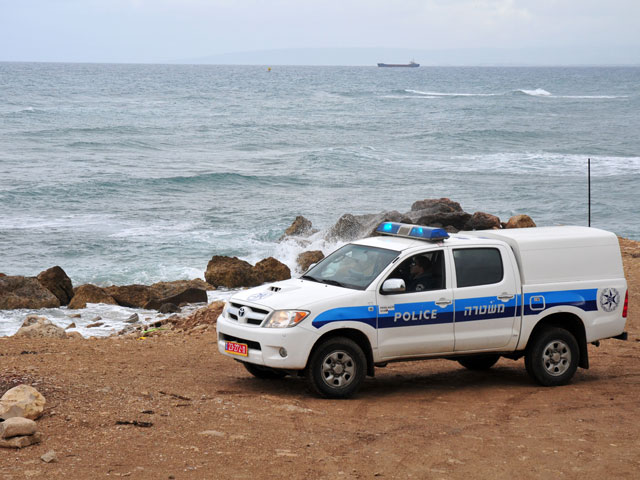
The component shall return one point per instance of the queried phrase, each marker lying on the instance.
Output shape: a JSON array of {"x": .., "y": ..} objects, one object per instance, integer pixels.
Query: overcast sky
[{"x": 170, "y": 30}]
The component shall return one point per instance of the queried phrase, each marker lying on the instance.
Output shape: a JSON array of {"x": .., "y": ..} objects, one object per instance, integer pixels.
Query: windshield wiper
[
  {"x": 333, "y": 282},
  {"x": 309, "y": 277}
]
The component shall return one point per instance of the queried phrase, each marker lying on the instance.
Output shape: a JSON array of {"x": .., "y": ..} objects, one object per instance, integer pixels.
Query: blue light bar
[
  {"x": 412, "y": 231},
  {"x": 390, "y": 228}
]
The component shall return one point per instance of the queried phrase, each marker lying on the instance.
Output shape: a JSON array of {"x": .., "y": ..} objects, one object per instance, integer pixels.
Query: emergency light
[{"x": 412, "y": 231}]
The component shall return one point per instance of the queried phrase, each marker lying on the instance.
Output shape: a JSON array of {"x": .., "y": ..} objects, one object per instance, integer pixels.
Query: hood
[{"x": 291, "y": 294}]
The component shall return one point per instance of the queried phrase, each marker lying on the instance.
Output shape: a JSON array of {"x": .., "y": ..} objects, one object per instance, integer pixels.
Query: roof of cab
[{"x": 400, "y": 244}]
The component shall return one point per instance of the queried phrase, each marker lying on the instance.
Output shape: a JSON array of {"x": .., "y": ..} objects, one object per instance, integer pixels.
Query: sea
[{"x": 125, "y": 174}]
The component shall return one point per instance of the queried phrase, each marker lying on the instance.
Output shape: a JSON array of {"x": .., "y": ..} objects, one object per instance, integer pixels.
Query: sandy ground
[{"x": 210, "y": 419}]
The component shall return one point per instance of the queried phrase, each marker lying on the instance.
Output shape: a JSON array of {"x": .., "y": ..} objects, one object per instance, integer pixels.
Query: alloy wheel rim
[
  {"x": 338, "y": 369},
  {"x": 556, "y": 358}
]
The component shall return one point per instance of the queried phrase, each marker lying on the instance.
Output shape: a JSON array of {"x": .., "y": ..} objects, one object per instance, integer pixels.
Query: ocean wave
[
  {"x": 440, "y": 94},
  {"x": 539, "y": 92}
]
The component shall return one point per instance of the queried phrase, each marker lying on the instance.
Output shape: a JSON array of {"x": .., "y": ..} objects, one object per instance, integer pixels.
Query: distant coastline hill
[{"x": 569, "y": 56}]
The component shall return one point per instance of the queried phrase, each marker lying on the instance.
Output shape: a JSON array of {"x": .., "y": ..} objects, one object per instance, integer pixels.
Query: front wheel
[
  {"x": 337, "y": 368},
  {"x": 552, "y": 359}
]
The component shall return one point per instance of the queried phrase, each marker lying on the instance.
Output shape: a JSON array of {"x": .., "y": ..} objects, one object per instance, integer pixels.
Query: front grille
[
  {"x": 250, "y": 315},
  {"x": 251, "y": 344}
]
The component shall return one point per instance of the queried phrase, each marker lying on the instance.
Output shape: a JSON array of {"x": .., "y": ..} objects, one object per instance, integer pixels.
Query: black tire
[
  {"x": 266, "y": 373},
  {"x": 479, "y": 362},
  {"x": 337, "y": 368},
  {"x": 553, "y": 356}
]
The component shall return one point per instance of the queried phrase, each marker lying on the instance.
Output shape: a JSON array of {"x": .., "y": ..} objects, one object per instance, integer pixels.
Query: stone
[
  {"x": 190, "y": 295},
  {"x": 90, "y": 294},
  {"x": 203, "y": 316},
  {"x": 306, "y": 259},
  {"x": 520, "y": 221},
  {"x": 74, "y": 335},
  {"x": 22, "y": 401},
  {"x": 57, "y": 282},
  {"x": 169, "y": 308},
  {"x": 71, "y": 325},
  {"x": 95, "y": 324},
  {"x": 133, "y": 319},
  {"x": 49, "y": 457},
  {"x": 169, "y": 289},
  {"x": 271, "y": 270},
  {"x": 17, "y": 426},
  {"x": 436, "y": 205},
  {"x": 230, "y": 272},
  {"x": 21, "y": 442},
  {"x": 457, "y": 220},
  {"x": 301, "y": 227},
  {"x": 482, "y": 221},
  {"x": 132, "y": 296},
  {"x": 347, "y": 228},
  {"x": 25, "y": 292},
  {"x": 39, "y": 327}
]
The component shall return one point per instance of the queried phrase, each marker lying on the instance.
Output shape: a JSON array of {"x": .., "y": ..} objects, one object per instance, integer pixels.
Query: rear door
[{"x": 485, "y": 297}]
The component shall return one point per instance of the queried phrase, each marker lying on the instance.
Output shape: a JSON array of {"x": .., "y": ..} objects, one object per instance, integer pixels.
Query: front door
[{"x": 419, "y": 321}]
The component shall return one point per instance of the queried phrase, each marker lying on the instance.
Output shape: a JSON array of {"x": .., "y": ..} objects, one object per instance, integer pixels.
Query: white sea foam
[
  {"x": 538, "y": 92},
  {"x": 440, "y": 94}
]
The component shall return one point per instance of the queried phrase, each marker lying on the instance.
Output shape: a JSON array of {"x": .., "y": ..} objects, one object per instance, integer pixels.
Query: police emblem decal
[{"x": 609, "y": 299}]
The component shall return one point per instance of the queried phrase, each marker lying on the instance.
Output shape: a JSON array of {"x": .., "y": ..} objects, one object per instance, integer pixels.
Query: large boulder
[
  {"x": 133, "y": 296},
  {"x": 190, "y": 295},
  {"x": 520, "y": 221},
  {"x": 306, "y": 259},
  {"x": 271, "y": 270},
  {"x": 347, "y": 228},
  {"x": 168, "y": 289},
  {"x": 57, "y": 282},
  {"x": 203, "y": 316},
  {"x": 457, "y": 220},
  {"x": 90, "y": 294},
  {"x": 230, "y": 272},
  {"x": 22, "y": 401},
  {"x": 482, "y": 221},
  {"x": 436, "y": 205},
  {"x": 301, "y": 227},
  {"x": 17, "y": 426},
  {"x": 25, "y": 292},
  {"x": 39, "y": 327}
]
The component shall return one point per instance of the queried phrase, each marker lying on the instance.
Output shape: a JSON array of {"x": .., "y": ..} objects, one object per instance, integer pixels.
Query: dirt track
[{"x": 430, "y": 419}]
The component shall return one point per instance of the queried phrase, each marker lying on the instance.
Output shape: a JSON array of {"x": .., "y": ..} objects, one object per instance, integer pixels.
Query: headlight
[{"x": 285, "y": 318}]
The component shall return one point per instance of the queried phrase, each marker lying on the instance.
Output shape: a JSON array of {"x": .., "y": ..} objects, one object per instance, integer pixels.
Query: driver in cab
[{"x": 421, "y": 275}]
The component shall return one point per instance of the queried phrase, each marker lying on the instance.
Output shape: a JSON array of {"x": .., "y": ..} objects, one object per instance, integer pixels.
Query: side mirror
[{"x": 394, "y": 285}]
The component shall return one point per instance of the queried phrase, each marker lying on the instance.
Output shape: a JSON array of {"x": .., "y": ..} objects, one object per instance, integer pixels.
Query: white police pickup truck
[{"x": 415, "y": 293}]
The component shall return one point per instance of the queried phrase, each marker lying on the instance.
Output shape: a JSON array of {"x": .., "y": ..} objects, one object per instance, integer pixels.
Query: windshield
[{"x": 352, "y": 266}]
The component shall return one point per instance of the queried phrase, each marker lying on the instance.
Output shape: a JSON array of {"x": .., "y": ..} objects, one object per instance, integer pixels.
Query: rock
[
  {"x": 230, "y": 272},
  {"x": 520, "y": 221},
  {"x": 347, "y": 228},
  {"x": 306, "y": 259},
  {"x": 74, "y": 335},
  {"x": 133, "y": 319},
  {"x": 2, "y": 275},
  {"x": 22, "y": 401},
  {"x": 204, "y": 316},
  {"x": 95, "y": 324},
  {"x": 57, "y": 282},
  {"x": 90, "y": 294},
  {"x": 169, "y": 289},
  {"x": 21, "y": 442},
  {"x": 482, "y": 221},
  {"x": 190, "y": 295},
  {"x": 49, "y": 457},
  {"x": 75, "y": 315},
  {"x": 436, "y": 205},
  {"x": 25, "y": 292},
  {"x": 169, "y": 308},
  {"x": 271, "y": 270},
  {"x": 17, "y": 426},
  {"x": 457, "y": 220},
  {"x": 39, "y": 327},
  {"x": 71, "y": 325},
  {"x": 301, "y": 227},
  {"x": 132, "y": 296}
]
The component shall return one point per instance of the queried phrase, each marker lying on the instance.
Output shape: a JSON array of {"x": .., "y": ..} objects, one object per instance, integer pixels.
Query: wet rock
[
  {"x": 520, "y": 221},
  {"x": 25, "y": 292},
  {"x": 271, "y": 270},
  {"x": 90, "y": 294},
  {"x": 57, "y": 282},
  {"x": 482, "y": 221},
  {"x": 95, "y": 324},
  {"x": 169, "y": 289},
  {"x": 457, "y": 220},
  {"x": 132, "y": 296},
  {"x": 39, "y": 327},
  {"x": 21, "y": 442},
  {"x": 71, "y": 325},
  {"x": 230, "y": 272},
  {"x": 169, "y": 308},
  {"x": 22, "y": 401},
  {"x": 17, "y": 426},
  {"x": 190, "y": 295},
  {"x": 133, "y": 319},
  {"x": 436, "y": 205},
  {"x": 306, "y": 259},
  {"x": 301, "y": 227},
  {"x": 347, "y": 228},
  {"x": 203, "y": 316}
]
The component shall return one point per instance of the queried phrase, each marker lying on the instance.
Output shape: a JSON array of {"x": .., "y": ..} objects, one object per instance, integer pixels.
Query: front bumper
[{"x": 265, "y": 344}]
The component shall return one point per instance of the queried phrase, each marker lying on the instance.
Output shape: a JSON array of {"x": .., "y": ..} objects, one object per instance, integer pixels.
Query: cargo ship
[{"x": 411, "y": 64}]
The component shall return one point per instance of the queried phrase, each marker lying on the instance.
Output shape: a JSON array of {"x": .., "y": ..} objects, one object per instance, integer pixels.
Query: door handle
[
  {"x": 443, "y": 302},
  {"x": 504, "y": 296}
]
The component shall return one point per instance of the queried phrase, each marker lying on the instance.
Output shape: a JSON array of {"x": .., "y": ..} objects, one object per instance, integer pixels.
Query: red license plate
[{"x": 237, "y": 348}]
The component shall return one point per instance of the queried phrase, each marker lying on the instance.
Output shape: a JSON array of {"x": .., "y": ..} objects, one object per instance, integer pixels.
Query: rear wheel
[
  {"x": 337, "y": 368},
  {"x": 552, "y": 359},
  {"x": 260, "y": 371},
  {"x": 479, "y": 362}
]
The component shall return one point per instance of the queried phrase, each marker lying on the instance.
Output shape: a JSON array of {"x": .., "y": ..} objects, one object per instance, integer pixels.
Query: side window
[
  {"x": 422, "y": 272},
  {"x": 478, "y": 266}
]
